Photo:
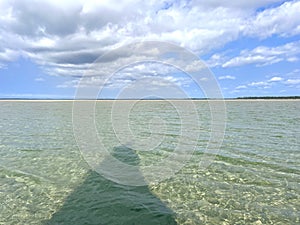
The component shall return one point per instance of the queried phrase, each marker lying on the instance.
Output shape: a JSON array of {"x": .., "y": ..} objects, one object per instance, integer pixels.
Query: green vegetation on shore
[{"x": 270, "y": 97}]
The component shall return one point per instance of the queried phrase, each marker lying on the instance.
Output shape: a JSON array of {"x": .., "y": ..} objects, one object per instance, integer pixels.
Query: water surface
[{"x": 254, "y": 178}]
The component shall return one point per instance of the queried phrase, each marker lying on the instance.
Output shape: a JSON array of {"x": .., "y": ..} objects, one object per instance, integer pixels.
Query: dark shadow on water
[{"x": 101, "y": 201}]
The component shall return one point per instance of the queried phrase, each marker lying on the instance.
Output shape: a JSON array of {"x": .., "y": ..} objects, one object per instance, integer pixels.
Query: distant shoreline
[{"x": 289, "y": 98}]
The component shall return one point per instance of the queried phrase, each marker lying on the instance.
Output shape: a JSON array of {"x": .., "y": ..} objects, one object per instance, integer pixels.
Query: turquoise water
[{"x": 254, "y": 178}]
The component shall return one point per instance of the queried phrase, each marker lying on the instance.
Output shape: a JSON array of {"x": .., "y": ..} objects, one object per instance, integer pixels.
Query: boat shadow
[{"x": 98, "y": 200}]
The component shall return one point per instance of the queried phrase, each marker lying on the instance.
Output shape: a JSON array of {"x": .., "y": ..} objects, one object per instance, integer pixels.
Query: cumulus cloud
[
  {"x": 282, "y": 21},
  {"x": 263, "y": 55},
  {"x": 236, "y": 3},
  {"x": 7, "y": 55},
  {"x": 270, "y": 83},
  {"x": 66, "y": 37}
]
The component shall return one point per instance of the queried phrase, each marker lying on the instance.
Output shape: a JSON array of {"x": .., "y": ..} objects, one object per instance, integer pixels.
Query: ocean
[{"x": 51, "y": 175}]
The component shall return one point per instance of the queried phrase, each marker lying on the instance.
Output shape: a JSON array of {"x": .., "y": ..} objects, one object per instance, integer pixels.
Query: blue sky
[{"x": 46, "y": 47}]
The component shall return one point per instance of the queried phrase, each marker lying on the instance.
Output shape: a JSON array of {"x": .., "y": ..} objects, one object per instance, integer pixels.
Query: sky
[{"x": 51, "y": 49}]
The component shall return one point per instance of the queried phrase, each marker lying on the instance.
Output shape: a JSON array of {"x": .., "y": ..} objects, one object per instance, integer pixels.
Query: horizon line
[{"x": 159, "y": 99}]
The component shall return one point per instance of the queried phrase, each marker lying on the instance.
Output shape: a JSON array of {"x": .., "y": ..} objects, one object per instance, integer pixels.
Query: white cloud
[
  {"x": 276, "y": 79},
  {"x": 8, "y": 55},
  {"x": 39, "y": 79},
  {"x": 65, "y": 37},
  {"x": 236, "y": 3},
  {"x": 241, "y": 87},
  {"x": 293, "y": 59},
  {"x": 131, "y": 74},
  {"x": 263, "y": 55},
  {"x": 293, "y": 74},
  {"x": 2, "y": 66},
  {"x": 292, "y": 81},
  {"x": 282, "y": 20},
  {"x": 258, "y": 84},
  {"x": 261, "y": 84},
  {"x": 228, "y": 77}
]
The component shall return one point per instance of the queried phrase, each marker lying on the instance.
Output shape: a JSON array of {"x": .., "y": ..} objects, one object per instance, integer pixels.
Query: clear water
[{"x": 254, "y": 179}]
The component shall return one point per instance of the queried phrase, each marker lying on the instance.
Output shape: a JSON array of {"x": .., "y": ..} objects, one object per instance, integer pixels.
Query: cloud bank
[{"x": 64, "y": 38}]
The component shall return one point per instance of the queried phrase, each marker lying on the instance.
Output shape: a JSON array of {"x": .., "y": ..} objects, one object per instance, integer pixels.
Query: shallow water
[{"x": 253, "y": 179}]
